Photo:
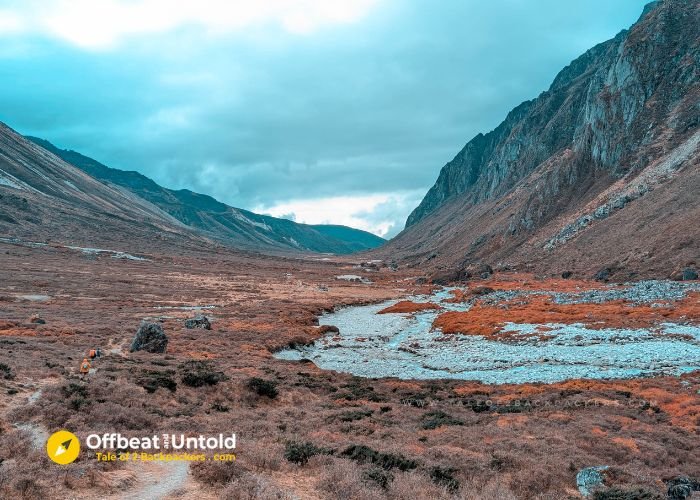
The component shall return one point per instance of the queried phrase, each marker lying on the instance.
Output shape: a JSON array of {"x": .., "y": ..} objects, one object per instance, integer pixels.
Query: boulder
[
  {"x": 479, "y": 269},
  {"x": 462, "y": 273},
  {"x": 689, "y": 274},
  {"x": 323, "y": 329},
  {"x": 590, "y": 480},
  {"x": 150, "y": 337},
  {"x": 604, "y": 274},
  {"x": 481, "y": 290},
  {"x": 680, "y": 488},
  {"x": 686, "y": 274},
  {"x": 199, "y": 321}
]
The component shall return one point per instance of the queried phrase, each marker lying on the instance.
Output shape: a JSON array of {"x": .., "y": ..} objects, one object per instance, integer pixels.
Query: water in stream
[{"x": 405, "y": 346}]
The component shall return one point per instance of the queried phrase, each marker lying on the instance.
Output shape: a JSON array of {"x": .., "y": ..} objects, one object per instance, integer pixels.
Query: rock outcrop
[
  {"x": 150, "y": 337},
  {"x": 199, "y": 321},
  {"x": 613, "y": 142}
]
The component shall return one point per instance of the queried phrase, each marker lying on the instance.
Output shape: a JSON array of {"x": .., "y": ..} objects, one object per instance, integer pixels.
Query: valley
[{"x": 509, "y": 440}]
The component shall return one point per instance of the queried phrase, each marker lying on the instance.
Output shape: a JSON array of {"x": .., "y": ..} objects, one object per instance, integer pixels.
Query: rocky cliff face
[
  {"x": 613, "y": 100},
  {"x": 616, "y": 124}
]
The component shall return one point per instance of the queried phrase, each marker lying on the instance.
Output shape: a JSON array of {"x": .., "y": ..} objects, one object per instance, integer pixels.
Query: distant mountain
[
  {"x": 601, "y": 170},
  {"x": 231, "y": 225},
  {"x": 356, "y": 239}
]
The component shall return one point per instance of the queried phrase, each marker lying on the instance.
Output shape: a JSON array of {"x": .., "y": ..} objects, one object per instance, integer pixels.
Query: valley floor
[{"x": 317, "y": 433}]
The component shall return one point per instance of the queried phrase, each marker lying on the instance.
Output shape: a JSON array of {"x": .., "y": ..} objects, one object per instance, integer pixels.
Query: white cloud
[
  {"x": 10, "y": 22},
  {"x": 376, "y": 213},
  {"x": 102, "y": 24}
]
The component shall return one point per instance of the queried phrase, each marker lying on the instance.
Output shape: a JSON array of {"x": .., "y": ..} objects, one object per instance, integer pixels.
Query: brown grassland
[{"x": 303, "y": 432}]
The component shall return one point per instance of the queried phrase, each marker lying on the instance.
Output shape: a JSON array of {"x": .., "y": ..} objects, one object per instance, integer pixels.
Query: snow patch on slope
[
  {"x": 10, "y": 181},
  {"x": 245, "y": 219}
]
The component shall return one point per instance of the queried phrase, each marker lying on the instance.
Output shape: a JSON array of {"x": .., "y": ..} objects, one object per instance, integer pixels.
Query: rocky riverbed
[{"x": 409, "y": 346}]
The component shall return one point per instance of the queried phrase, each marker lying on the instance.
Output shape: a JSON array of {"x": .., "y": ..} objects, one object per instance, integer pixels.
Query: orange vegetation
[
  {"x": 406, "y": 306},
  {"x": 628, "y": 443},
  {"x": 489, "y": 320}
]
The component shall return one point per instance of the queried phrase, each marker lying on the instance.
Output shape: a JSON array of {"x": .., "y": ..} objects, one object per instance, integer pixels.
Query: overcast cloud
[{"x": 333, "y": 111}]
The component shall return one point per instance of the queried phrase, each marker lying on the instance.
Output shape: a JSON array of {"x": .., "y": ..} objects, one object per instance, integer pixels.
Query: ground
[{"x": 318, "y": 434}]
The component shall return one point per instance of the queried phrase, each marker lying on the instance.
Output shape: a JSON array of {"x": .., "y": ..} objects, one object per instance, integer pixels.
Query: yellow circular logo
[{"x": 63, "y": 447}]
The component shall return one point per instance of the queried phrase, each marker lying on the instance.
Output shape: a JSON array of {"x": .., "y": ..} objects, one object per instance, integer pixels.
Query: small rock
[
  {"x": 479, "y": 269},
  {"x": 566, "y": 275},
  {"x": 37, "y": 320},
  {"x": 603, "y": 275},
  {"x": 370, "y": 266},
  {"x": 323, "y": 329},
  {"x": 590, "y": 479},
  {"x": 689, "y": 274},
  {"x": 150, "y": 337},
  {"x": 322, "y": 288},
  {"x": 199, "y": 321},
  {"x": 482, "y": 290}
]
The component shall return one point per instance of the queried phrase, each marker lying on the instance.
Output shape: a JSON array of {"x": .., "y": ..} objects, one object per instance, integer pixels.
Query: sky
[{"x": 321, "y": 111}]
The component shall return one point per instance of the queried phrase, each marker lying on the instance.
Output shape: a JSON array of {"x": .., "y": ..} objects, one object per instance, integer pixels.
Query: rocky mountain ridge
[
  {"x": 230, "y": 225},
  {"x": 567, "y": 176}
]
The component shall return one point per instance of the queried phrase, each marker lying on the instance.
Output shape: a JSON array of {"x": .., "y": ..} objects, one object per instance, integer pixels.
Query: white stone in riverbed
[{"x": 404, "y": 346}]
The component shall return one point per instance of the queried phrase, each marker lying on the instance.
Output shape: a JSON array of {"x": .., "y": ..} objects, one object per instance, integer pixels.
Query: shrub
[
  {"x": 6, "y": 372},
  {"x": 213, "y": 472},
  {"x": 77, "y": 403},
  {"x": 378, "y": 476},
  {"x": 74, "y": 389},
  {"x": 351, "y": 416},
  {"x": 28, "y": 488},
  {"x": 300, "y": 453},
  {"x": 444, "y": 476},
  {"x": 356, "y": 390},
  {"x": 620, "y": 494},
  {"x": 152, "y": 380},
  {"x": 200, "y": 373},
  {"x": 365, "y": 454},
  {"x": 263, "y": 387},
  {"x": 76, "y": 395},
  {"x": 220, "y": 407},
  {"x": 435, "y": 419},
  {"x": 500, "y": 463}
]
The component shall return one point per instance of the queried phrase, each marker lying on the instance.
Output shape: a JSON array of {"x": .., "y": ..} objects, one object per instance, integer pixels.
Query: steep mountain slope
[
  {"x": 601, "y": 170},
  {"x": 42, "y": 198},
  {"x": 231, "y": 225}
]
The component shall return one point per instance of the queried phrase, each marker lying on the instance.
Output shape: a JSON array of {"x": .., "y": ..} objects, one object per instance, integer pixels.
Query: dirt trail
[
  {"x": 158, "y": 480},
  {"x": 36, "y": 431},
  {"x": 297, "y": 485}
]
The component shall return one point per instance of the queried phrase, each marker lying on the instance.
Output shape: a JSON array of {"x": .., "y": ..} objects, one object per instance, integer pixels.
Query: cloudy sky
[{"x": 339, "y": 111}]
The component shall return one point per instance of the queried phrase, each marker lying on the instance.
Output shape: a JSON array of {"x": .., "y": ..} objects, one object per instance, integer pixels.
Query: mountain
[
  {"x": 599, "y": 171},
  {"x": 357, "y": 240},
  {"x": 44, "y": 199},
  {"x": 233, "y": 226}
]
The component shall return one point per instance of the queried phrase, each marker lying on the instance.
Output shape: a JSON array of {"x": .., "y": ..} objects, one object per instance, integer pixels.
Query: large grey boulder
[
  {"x": 150, "y": 337},
  {"x": 199, "y": 321},
  {"x": 689, "y": 274},
  {"x": 680, "y": 488},
  {"x": 590, "y": 479}
]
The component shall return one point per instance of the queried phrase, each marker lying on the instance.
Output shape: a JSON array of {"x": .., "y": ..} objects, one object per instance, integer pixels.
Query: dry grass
[
  {"x": 489, "y": 320},
  {"x": 510, "y": 441}
]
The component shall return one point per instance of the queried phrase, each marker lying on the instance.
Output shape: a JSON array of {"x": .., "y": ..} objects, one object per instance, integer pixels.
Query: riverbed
[{"x": 407, "y": 346}]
